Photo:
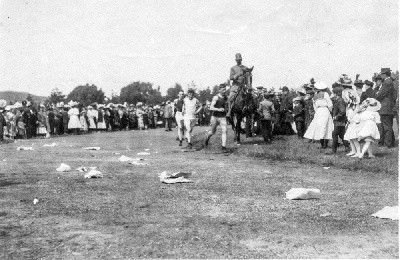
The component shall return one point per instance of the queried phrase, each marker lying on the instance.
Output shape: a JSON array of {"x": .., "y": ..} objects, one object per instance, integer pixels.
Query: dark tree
[
  {"x": 86, "y": 95},
  {"x": 172, "y": 93},
  {"x": 56, "y": 96},
  {"x": 140, "y": 92}
]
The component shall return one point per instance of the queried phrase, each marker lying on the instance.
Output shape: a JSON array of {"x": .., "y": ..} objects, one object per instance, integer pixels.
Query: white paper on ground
[
  {"x": 93, "y": 174},
  {"x": 116, "y": 153},
  {"x": 50, "y": 145},
  {"x": 64, "y": 168},
  {"x": 269, "y": 172},
  {"x": 124, "y": 158},
  {"x": 143, "y": 153},
  {"x": 147, "y": 150},
  {"x": 388, "y": 212},
  {"x": 25, "y": 148},
  {"x": 91, "y": 148},
  {"x": 302, "y": 194},
  {"x": 177, "y": 177},
  {"x": 35, "y": 201}
]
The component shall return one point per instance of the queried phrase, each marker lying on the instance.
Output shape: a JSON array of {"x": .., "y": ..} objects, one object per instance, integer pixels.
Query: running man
[
  {"x": 178, "y": 104},
  {"x": 191, "y": 107},
  {"x": 218, "y": 117}
]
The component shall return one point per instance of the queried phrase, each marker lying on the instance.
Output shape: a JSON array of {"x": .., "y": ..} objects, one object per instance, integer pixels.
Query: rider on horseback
[{"x": 237, "y": 77}]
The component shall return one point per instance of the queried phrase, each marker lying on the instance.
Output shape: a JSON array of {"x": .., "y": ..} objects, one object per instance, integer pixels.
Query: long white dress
[
  {"x": 74, "y": 122},
  {"x": 354, "y": 124},
  {"x": 321, "y": 127},
  {"x": 92, "y": 115}
]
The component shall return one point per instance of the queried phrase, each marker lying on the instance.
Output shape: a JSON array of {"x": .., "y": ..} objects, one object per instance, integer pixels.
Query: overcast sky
[{"x": 48, "y": 44}]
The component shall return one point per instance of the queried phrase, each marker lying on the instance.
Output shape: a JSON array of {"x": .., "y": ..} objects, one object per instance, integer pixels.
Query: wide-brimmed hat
[
  {"x": 358, "y": 82},
  {"x": 297, "y": 99},
  {"x": 374, "y": 105},
  {"x": 320, "y": 85},
  {"x": 7, "y": 108},
  {"x": 238, "y": 56},
  {"x": 89, "y": 107},
  {"x": 310, "y": 92},
  {"x": 345, "y": 81},
  {"x": 369, "y": 83},
  {"x": 385, "y": 70},
  {"x": 260, "y": 87}
]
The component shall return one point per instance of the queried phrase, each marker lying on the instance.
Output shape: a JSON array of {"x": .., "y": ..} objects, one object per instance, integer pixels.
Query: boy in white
[{"x": 191, "y": 107}]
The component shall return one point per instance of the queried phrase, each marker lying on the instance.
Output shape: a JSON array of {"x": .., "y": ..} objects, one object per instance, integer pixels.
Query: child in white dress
[{"x": 368, "y": 129}]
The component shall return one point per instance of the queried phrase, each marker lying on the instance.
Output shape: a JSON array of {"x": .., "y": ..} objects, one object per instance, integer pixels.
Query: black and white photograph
[{"x": 199, "y": 129}]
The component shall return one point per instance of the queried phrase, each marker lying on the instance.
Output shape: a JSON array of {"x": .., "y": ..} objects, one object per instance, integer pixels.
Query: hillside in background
[{"x": 13, "y": 96}]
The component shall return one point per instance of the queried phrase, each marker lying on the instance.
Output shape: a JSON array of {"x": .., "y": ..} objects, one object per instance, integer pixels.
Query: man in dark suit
[
  {"x": 369, "y": 92},
  {"x": 386, "y": 95}
]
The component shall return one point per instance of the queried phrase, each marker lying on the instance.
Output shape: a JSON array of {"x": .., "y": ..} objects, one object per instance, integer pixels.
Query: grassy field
[{"x": 234, "y": 208}]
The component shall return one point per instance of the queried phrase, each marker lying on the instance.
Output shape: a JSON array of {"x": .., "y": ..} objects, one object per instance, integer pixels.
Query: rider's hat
[
  {"x": 285, "y": 88},
  {"x": 238, "y": 56},
  {"x": 260, "y": 87}
]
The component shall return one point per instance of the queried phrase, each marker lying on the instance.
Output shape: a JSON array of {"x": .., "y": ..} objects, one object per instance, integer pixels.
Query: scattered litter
[
  {"x": 91, "y": 148},
  {"x": 93, "y": 174},
  {"x": 116, "y": 153},
  {"x": 124, "y": 158},
  {"x": 388, "y": 212},
  {"x": 269, "y": 172},
  {"x": 64, "y": 168},
  {"x": 4, "y": 160},
  {"x": 147, "y": 150},
  {"x": 35, "y": 201},
  {"x": 302, "y": 194},
  {"x": 50, "y": 145},
  {"x": 143, "y": 153},
  {"x": 177, "y": 177},
  {"x": 25, "y": 148},
  {"x": 325, "y": 214},
  {"x": 137, "y": 163},
  {"x": 255, "y": 144},
  {"x": 326, "y": 168}
]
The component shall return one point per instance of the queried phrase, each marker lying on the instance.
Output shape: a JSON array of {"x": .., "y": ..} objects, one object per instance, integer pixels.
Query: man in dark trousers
[
  {"x": 339, "y": 119},
  {"x": 286, "y": 111},
  {"x": 386, "y": 95},
  {"x": 3, "y": 123}
]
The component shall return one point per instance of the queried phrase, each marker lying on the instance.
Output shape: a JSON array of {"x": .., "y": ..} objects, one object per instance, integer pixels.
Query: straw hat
[{"x": 3, "y": 103}]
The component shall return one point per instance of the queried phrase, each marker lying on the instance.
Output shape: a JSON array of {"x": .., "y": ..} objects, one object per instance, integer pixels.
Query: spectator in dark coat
[
  {"x": 386, "y": 95},
  {"x": 3, "y": 122},
  {"x": 286, "y": 112},
  {"x": 339, "y": 119},
  {"x": 298, "y": 115}
]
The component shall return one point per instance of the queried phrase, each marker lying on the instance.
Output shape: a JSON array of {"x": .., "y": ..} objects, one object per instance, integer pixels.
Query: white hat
[
  {"x": 89, "y": 107},
  {"x": 320, "y": 85},
  {"x": 3, "y": 103},
  {"x": 7, "y": 108}
]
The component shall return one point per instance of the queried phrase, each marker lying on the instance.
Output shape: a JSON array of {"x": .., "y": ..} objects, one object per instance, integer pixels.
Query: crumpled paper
[
  {"x": 91, "y": 148},
  {"x": 64, "y": 168},
  {"x": 50, "y": 145},
  {"x": 388, "y": 212},
  {"x": 93, "y": 174},
  {"x": 85, "y": 169},
  {"x": 25, "y": 148},
  {"x": 177, "y": 177},
  {"x": 143, "y": 153},
  {"x": 302, "y": 194}
]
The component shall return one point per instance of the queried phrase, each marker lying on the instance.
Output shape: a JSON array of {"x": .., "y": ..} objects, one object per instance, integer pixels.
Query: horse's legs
[
  {"x": 238, "y": 128},
  {"x": 249, "y": 125}
]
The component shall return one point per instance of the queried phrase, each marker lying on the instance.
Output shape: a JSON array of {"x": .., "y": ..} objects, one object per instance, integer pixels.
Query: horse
[{"x": 244, "y": 106}]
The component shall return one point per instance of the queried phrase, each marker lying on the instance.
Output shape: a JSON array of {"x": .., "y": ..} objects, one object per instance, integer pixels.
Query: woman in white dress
[
  {"x": 93, "y": 116},
  {"x": 321, "y": 126},
  {"x": 353, "y": 119},
  {"x": 74, "y": 122}
]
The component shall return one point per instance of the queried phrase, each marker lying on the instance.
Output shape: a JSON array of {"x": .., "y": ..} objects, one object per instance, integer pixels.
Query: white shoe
[
  {"x": 350, "y": 154},
  {"x": 356, "y": 155}
]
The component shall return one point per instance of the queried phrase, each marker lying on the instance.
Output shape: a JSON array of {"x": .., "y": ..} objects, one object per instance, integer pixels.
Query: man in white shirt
[{"x": 191, "y": 107}]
